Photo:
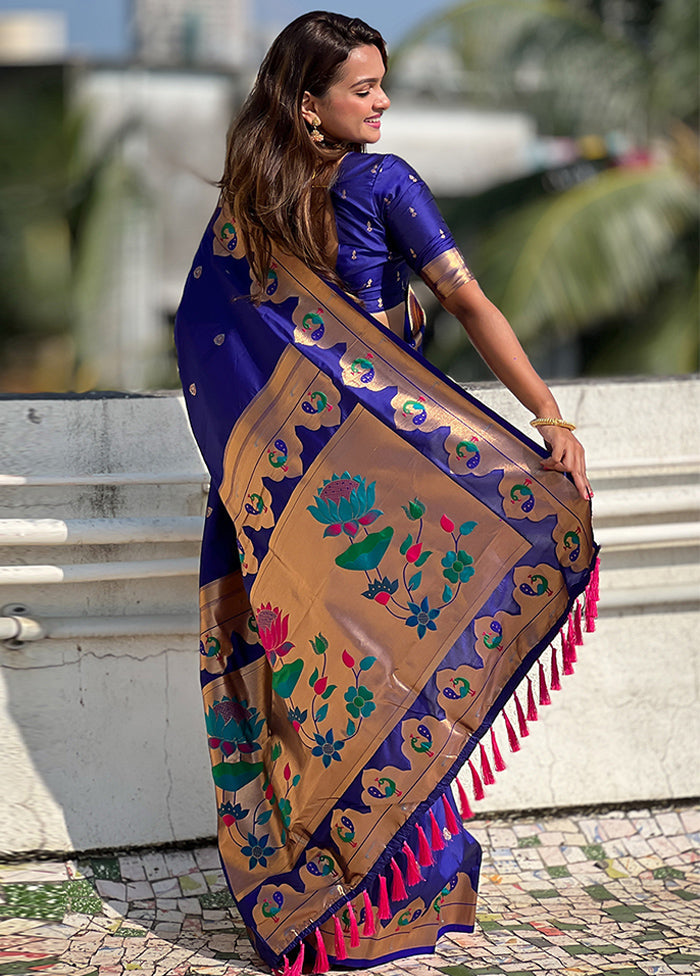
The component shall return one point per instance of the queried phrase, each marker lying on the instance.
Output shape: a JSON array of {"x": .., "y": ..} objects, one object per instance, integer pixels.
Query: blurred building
[
  {"x": 211, "y": 32},
  {"x": 32, "y": 36}
]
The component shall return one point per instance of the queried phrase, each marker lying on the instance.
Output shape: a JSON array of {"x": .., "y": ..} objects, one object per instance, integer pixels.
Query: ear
[{"x": 308, "y": 109}]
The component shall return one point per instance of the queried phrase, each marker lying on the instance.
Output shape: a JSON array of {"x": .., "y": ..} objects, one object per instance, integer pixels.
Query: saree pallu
[{"x": 383, "y": 562}]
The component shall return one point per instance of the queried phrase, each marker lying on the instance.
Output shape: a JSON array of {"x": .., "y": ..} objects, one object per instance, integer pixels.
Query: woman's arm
[{"x": 493, "y": 338}]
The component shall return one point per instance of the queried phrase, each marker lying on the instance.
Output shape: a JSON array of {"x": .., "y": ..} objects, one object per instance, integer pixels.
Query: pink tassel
[
  {"x": 465, "y": 810},
  {"x": 591, "y": 614},
  {"x": 497, "y": 757},
  {"x": 486, "y": 771},
  {"x": 592, "y": 597},
  {"x": 522, "y": 724},
  {"x": 450, "y": 819},
  {"x": 593, "y": 588},
  {"x": 578, "y": 635},
  {"x": 555, "y": 682},
  {"x": 425, "y": 855},
  {"x": 512, "y": 737},
  {"x": 476, "y": 783},
  {"x": 354, "y": 930},
  {"x": 384, "y": 907},
  {"x": 566, "y": 654},
  {"x": 531, "y": 707},
  {"x": 571, "y": 639},
  {"x": 544, "y": 690},
  {"x": 299, "y": 964},
  {"x": 436, "y": 841},
  {"x": 341, "y": 951},
  {"x": 287, "y": 971},
  {"x": 321, "y": 964},
  {"x": 413, "y": 875},
  {"x": 368, "y": 930},
  {"x": 398, "y": 887}
]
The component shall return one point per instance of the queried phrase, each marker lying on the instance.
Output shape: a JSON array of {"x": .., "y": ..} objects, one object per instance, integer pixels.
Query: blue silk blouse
[{"x": 389, "y": 227}]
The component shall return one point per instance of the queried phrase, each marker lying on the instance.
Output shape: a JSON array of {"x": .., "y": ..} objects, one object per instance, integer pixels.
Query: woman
[{"x": 384, "y": 559}]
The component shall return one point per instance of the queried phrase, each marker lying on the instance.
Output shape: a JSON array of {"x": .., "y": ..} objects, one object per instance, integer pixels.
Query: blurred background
[{"x": 560, "y": 139}]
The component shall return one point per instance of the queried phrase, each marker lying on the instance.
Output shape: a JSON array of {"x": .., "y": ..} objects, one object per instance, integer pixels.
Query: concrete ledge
[{"x": 102, "y": 723}]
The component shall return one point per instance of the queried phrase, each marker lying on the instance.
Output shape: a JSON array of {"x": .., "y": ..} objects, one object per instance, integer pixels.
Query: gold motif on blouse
[
  {"x": 445, "y": 273},
  {"x": 412, "y": 212},
  {"x": 369, "y": 227},
  {"x": 353, "y": 256}
]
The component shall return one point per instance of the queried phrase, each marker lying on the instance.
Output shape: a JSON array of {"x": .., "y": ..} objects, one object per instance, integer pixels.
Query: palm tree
[{"x": 612, "y": 255}]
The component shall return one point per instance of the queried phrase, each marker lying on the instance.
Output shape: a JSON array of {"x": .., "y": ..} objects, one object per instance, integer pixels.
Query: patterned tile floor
[{"x": 615, "y": 893}]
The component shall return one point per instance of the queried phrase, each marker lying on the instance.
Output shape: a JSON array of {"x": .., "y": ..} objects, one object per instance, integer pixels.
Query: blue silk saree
[{"x": 384, "y": 563}]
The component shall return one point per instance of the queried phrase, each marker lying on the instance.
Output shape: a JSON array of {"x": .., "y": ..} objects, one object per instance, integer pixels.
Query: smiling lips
[{"x": 375, "y": 121}]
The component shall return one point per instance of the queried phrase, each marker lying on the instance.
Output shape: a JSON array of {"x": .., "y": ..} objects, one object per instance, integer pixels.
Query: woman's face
[{"x": 352, "y": 108}]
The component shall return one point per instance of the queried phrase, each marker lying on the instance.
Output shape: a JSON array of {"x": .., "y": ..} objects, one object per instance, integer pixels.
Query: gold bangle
[{"x": 552, "y": 422}]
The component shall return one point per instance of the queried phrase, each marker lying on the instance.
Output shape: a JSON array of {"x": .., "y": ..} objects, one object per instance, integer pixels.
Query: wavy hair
[{"x": 277, "y": 179}]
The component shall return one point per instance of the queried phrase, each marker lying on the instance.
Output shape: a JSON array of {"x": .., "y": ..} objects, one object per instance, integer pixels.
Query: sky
[{"x": 98, "y": 28}]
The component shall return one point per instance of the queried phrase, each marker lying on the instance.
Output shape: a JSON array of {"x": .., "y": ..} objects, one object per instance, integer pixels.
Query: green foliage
[{"x": 613, "y": 256}]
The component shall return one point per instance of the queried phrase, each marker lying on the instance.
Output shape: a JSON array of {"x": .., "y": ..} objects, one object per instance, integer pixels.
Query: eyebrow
[{"x": 366, "y": 81}]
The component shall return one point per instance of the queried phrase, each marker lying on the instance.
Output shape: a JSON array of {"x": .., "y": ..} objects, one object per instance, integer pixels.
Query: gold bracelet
[{"x": 551, "y": 422}]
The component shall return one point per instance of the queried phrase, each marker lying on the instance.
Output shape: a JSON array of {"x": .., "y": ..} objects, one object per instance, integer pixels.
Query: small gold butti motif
[
  {"x": 197, "y": 271},
  {"x": 380, "y": 303},
  {"x": 369, "y": 226},
  {"x": 412, "y": 212},
  {"x": 344, "y": 194},
  {"x": 442, "y": 233},
  {"x": 219, "y": 339},
  {"x": 353, "y": 256},
  {"x": 193, "y": 389},
  {"x": 209, "y": 510},
  {"x": 413, "y": 253}
]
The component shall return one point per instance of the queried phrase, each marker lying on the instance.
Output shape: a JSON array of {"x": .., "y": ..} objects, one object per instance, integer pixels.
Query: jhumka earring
[{"x": 316, "y": 136}]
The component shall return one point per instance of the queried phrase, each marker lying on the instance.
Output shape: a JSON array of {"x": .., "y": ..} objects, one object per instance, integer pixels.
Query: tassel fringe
[
  {"x": 486, "y": 771},
  {"x": 571, "y": 637},
  {"x": 497, "y": 757},
  {"x": 368, "y": 929},
  {"x": 398, "y": 886},
  {"x": 436, "y": 841},
  {"x": 384, "y": 907},
  {"x": 465, "y": 810},
  {"x": 413, "y": 875},
  {"x": 450, "y": 819},
  {"x": 341, "y": 951},
  {"x": 299, "y": 964},
  {"x": 544, "y": 690},
  {"x": 531, "y": 707},
  {"x": 512, "y": 737},
  {"x": 476, "y": 783},
  {"x": 554, "y": 681},
  {"x": 321, "y": 964},
  {"x": 522, "y": 724},
  {"x": 425, "y": 855}
]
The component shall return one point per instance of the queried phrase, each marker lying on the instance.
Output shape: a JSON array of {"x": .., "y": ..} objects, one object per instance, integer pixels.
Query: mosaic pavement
[{"x": 617, "y": 893}]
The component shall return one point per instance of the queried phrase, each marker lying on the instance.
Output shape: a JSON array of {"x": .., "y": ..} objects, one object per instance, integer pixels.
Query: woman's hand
[{"x": 566, "y": 454}]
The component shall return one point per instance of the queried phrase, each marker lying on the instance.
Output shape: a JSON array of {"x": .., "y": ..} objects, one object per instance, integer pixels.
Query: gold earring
[{"x": 316, "y": 136}]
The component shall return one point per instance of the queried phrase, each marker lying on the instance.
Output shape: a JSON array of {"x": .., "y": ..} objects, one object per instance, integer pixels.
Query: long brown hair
[{"x": 277, "y": 179}]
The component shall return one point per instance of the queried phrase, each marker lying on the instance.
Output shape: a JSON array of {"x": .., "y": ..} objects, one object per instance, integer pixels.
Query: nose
[{"x": 382, "y": 100}]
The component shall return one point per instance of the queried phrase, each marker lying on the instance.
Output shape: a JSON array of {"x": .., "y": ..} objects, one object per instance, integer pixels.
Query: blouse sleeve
[{"x": 416, "y": 229}]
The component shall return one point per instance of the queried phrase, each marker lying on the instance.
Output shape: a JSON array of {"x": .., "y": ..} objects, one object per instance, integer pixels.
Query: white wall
[{"x": 102, "y": 737}]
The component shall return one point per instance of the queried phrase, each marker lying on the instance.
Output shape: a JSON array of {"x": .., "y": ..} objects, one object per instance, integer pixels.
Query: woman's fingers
[{"x": 567, "y": 455}]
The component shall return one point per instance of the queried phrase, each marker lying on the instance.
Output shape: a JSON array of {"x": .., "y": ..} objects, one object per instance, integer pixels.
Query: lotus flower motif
[{"x": 344, "y": 503}]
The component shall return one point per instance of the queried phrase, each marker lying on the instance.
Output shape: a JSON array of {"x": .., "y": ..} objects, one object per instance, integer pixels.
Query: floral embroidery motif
[{"x": 345, "y": 504}]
